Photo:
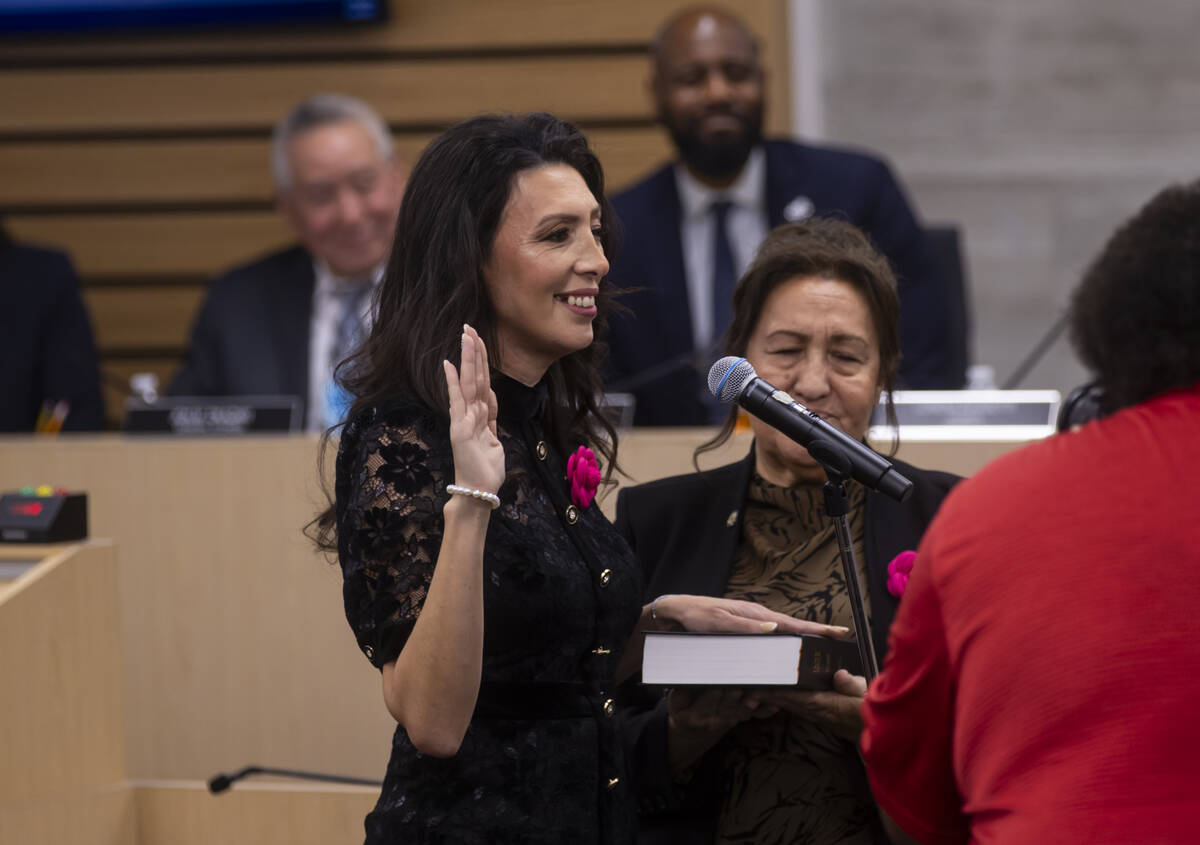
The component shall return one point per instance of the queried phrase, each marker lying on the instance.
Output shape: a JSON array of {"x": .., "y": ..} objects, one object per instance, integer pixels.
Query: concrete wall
[{"x": 1036, "y": 125}]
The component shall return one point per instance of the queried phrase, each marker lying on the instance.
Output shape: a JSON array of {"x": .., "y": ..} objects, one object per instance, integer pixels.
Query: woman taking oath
[
  {"x": 816, "y": 315},
  {"x": 479, "y": 576}
]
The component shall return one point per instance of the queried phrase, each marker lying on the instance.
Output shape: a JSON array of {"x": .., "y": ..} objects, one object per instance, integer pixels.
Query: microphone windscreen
[{"x": 728, "y": 377}]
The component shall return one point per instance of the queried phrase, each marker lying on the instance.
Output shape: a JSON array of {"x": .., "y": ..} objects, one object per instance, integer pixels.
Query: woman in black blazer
[{"x": 817, "y": 315}]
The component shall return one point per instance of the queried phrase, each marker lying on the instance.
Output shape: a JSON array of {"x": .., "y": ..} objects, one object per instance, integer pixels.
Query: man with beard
[{"x": 690, "y": 228}]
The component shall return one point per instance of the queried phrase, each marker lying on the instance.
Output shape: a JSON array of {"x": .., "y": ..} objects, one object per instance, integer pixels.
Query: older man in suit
[
  {"x": 280, "y": 324},
  {"x": 691, "y": 227}
]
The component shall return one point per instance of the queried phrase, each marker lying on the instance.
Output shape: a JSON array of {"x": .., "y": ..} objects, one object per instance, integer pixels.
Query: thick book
[{"x": 680, "y": 658}]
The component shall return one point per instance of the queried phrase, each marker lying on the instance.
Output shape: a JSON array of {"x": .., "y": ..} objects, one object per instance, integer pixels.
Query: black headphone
[{"x": 1082, "y": 405}]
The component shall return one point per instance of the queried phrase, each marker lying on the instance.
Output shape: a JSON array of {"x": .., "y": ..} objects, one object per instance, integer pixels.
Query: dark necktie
[
  {"x": 347, "y": 335},
  {"x": 723, "y": 278}
]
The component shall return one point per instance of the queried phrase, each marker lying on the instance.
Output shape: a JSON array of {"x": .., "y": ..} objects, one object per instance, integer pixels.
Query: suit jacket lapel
[
  {"x": 891, "y": 528},
  {"x": 670, "y": 288},
  {"x": 724, "y": 525},
  {"x": 779, "y": 185}
]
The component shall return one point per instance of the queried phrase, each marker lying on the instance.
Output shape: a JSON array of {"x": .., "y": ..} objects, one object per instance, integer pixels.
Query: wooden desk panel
[{"x": 235, "y": 645}]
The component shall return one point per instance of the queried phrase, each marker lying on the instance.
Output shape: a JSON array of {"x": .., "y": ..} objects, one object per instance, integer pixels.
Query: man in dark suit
[
  {"x": 281, "y": 323},
  {"x": 46, "y": 342},
  {"x": 691, "y": 227}
]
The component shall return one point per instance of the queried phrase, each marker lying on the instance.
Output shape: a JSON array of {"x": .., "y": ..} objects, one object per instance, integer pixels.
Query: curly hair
[
  {"x": 1135, "y": 317},
  {"x": 826, "y": 248}
]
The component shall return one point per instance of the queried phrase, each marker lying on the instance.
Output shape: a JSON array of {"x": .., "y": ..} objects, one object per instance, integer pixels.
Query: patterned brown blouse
[{"x": 788, "y": 779}]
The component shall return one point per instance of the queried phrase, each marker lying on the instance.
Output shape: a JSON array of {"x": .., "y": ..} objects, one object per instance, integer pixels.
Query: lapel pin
[{"x": 800, "y": 208}]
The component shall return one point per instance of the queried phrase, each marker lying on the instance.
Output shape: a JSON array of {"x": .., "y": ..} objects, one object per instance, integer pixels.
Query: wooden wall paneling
[
  {"x": 195, "y": 171},
  {"x": 629, "y": 154},
  {"x": 141, "y": 245},
  {"x": 162, "y": 170},
  {"x": 143, "y": 316},
  {"x": 200, "y": 244},
  {"x": 185, "y": 99}
]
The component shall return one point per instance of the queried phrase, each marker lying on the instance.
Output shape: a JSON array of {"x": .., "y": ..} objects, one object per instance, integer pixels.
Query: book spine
[{"x": 820, "y": 658}]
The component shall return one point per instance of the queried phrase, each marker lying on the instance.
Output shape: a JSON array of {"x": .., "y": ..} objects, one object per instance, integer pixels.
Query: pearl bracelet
[{"x": 491, "y": 498}]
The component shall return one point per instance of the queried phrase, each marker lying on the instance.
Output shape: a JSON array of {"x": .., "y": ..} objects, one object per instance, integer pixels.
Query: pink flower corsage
[
  {"x": 898, "y": 571},
  {"x": 583, "y": 471}
]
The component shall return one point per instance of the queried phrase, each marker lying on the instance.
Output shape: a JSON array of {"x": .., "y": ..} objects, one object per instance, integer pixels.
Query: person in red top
[{"x": 1041, "y": 681}]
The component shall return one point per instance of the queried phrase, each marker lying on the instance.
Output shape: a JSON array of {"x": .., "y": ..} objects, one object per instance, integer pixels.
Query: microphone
[{"x": 733, "y": 379}]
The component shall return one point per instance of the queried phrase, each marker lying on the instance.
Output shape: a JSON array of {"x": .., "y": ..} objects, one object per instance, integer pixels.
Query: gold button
[
  {"x": 572, "y": 514},
  {"x": 732, "y": 520},
  {"x": 612, "y": 783},
  {"x": 600, "y": 650},
  {"x": 605, "y": 577},
  {"x": 609, "y": 707},
  {"x": 541, "y": 450},
  {"x": 370, "y": 652}
]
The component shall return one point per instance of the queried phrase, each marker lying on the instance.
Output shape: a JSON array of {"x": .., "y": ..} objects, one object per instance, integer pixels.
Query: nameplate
[
  {"x": 213, "y": 415},
  {"x": 968, "y": 414}
]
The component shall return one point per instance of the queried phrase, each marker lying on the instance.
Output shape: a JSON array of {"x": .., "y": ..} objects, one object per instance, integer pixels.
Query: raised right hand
[{"x": 478, "y": 455}]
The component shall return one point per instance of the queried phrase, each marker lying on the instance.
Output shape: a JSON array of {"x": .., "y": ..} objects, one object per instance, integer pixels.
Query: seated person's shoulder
[
  {"x": 46, "y": 266},
  {"x": 829, "y": 158},
  {"x": 290, "y": 263}
]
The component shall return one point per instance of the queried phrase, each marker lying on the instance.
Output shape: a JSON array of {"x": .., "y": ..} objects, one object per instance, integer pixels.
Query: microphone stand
[{"x": 837, "y": 507}]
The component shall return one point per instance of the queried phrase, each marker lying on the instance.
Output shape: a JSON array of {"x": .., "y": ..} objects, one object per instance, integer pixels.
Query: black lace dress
[{"x": 541, "y": 762}]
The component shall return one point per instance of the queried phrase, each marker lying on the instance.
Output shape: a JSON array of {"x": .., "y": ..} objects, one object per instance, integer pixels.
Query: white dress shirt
[
  {"x": 746, "y": 227},
  {"x": 326, "y": 312}
]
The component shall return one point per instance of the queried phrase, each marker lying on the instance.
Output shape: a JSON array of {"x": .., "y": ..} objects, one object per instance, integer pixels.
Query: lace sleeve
[{"x": 391, "y": 480}]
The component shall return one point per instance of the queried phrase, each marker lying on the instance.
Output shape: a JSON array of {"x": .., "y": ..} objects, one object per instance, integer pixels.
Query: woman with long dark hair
[{"x": 479, "y": 576}]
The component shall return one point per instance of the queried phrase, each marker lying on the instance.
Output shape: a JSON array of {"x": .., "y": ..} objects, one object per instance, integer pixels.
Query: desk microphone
[
  {"x": 733, "y": 379},
  {"x": 221, "y": 782}
]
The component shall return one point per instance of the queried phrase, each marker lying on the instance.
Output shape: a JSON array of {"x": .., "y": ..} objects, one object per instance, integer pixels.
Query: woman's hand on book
[
  {"x": 716, "y": 615},
  {"x": 838, "y": 709}
]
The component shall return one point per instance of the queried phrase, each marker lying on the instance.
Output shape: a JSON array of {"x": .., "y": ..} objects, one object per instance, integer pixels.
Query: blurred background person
[
  {"x": 280, "y": 324},
  {"x": 1039, "y": 686},
  {"x": 50, "y": 376},
  {"x": 816, "y": 316},
  {"x": 691, "y": 227}
]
